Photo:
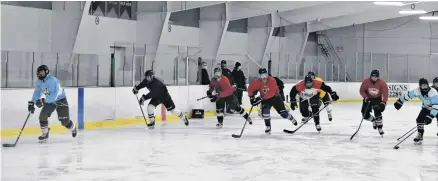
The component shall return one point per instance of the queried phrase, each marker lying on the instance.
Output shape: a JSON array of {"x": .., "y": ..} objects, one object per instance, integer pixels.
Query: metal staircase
[{"x": 330, "y": 54}]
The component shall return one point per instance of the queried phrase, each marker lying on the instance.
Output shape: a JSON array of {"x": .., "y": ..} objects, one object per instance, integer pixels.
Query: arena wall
[{"x": 93, "y": 108}]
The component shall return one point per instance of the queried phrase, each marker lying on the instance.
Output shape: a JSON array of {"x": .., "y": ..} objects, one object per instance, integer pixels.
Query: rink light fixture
[
  {"x": 388, "y": 3},
  {"x": 429, "y": 18},
  {"x": 412, "y": 12}
]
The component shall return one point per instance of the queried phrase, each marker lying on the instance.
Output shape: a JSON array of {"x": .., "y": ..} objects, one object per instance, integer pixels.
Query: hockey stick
[
  {"x": 406, "y": 133},
  {"x": 363, "y": 116},
  {"x": 241, "y": 132},
  {"x": 16, "y": 141},
  {"x": 201, "y": 98},
  {"x": 397, "y": 147},
  {"x": 292, "y": 132},
  {"x": 138, "y": 100}
]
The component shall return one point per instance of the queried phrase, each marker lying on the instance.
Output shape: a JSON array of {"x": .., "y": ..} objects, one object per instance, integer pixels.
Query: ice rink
[{"x": 173, "y": 152}]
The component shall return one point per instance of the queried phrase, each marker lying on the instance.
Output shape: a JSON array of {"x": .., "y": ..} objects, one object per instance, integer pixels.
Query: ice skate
[
  {"x": 151, "y": 125},
  {"x": 268, "y": 130},
  {"x": 374, "y": 125},
  {"x": 186, "y": 121},
  {"x": 74, "y": 132},
  {"x": 249, "y": 120},
  {"x": 219, "y": 125},
  {"x": 305, "y": 119},
  {"x": 318, "y": 127},
  {"x": 381, "y": 131},
  {"x": 44, "y": 137},
  {"x": 292, "y": 119},
  {"x": 329, "y": 114},
  {"x": 419, "y": 139},
  {"x": 371, "y": 119}
]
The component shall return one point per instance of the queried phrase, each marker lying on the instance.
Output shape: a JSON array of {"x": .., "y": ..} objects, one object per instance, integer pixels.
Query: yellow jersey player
[{"x": 325, "y": 98}]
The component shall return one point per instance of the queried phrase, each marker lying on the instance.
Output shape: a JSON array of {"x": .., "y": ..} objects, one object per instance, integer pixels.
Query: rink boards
[{"x": 95, "y": 108}]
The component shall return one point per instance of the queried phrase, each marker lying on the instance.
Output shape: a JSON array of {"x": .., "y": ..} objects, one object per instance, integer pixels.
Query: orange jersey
[
  {"x": 267, "y": 90},
  {"x": 304, "y": 93}
]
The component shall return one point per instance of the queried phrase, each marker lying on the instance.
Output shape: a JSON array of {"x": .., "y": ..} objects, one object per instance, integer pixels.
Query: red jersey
[
  {"x": 222, "y": 87},
  {"x": 267, "y": 90},
  {"x": 370, "y": 90}
]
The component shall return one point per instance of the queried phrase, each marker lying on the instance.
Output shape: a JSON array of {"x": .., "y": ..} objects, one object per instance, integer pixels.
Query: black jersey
[{"x": 157, "y": 90}]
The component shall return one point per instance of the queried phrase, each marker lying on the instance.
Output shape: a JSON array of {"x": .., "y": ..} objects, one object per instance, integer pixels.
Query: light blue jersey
[
  {"x": 51, "y": 89},
  {"x": 430, "y": 101}
]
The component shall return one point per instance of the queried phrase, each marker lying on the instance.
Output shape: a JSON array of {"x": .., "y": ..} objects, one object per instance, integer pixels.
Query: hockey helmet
[
  {"x": 308, "y": 81},
  {"x": 435, "y": 80},
  {"x": 42, "y": 72},
  {"x": 424, "y": 85},
  {"x": 263, "y": 74},
  {"x": 312, "y": 73},
  {"x": 223, "y": 64},
  {"x": 375, "y": 74},
  {"x": 149, "y": 75},
  {"x": 217, "y": 73}
]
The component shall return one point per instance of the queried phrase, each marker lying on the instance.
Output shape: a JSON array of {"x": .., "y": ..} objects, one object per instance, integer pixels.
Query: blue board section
[{"x": 81, "y": 108}]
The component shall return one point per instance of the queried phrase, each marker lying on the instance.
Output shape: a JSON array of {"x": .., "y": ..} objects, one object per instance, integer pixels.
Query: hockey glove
[
  {"x": 293, "y": 104},
  {"x": 398, "y": 104},
  {"x": 213, "y": 99},
  {"x": 428, "y": 120},
  {"x": 334, "y": 96},
  {"x": 209, "y": 95},
  {"x": 40, "y": 102},
  {"x": 255, "y": 100},
  {"x": 382, "y": 106},
  {"x": 144, "y": 98},
  {"x": 134, "y": 90},
  {"x": 31, "y": 107}
]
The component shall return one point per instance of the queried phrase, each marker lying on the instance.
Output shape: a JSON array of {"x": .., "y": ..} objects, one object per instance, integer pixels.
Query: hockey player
[
  {"x": 240, "y": 80},
  {"x": 280, "y": 85},
  {"x": 374, "y": 92},
  {"x": 159, "y": 95},
  {"x": 308, "y": 93},
  {"x": 435, "y": 86},
  {"x": 429, "y": 97},
  {"x": 222, "y": 86},
  {"x": 55, "y": 100},
  {"x": 227, "y": 73},
  {"x": 269, "y": 97},
  {"x": 324, "y": 96}
]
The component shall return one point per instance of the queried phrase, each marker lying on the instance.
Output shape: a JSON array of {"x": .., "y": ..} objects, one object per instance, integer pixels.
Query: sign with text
[{"x": 397, "y": 89}]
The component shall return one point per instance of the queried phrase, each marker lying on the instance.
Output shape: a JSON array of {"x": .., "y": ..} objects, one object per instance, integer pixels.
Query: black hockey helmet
[
  {"x": 223, "y": 64},
  {"x": 238, "y": 64},
  {"x": 435, "y": 80},
  {"x": 312, "y": 73},
  {"x": 263, "y": 74},
  {"x": 424, "y": 85},
  {"x": 149, "y": 75},
  {"x": 375, "y": 73},
  {"x": 40, "y": 69},
  {"x": 308, "y": 81},
  {"x": 262, "y": 71},
  {"x": 217, "y": 72}
]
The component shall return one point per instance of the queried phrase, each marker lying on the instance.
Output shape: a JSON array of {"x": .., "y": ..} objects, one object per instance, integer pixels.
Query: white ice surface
[{"x": 172, "y": 152}]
